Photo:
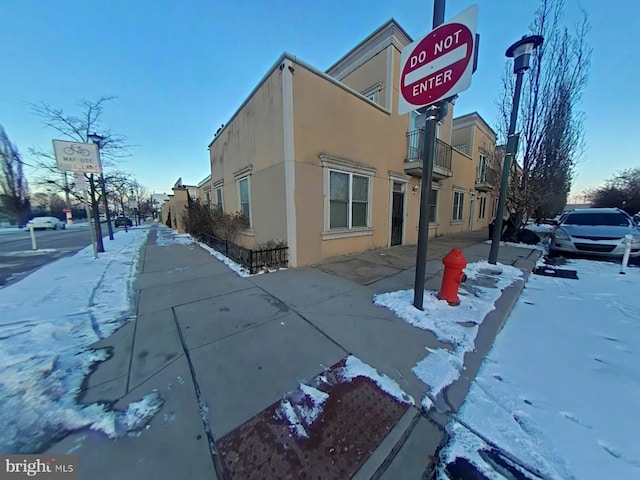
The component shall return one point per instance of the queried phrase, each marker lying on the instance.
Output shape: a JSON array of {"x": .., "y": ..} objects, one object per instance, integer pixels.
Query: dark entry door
[{"x": 397, "y": 214}]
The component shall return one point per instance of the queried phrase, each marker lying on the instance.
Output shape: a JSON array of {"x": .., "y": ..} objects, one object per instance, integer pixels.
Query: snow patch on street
[
  {"x": 544, "y": 394},
  {"x": 49, "y": 320},
  {"x": 302, "y": 408},
  {"x": 457, "y": 326}
]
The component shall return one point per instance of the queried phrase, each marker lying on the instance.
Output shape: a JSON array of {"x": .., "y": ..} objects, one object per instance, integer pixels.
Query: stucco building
[{"x": 323, "y": 161}]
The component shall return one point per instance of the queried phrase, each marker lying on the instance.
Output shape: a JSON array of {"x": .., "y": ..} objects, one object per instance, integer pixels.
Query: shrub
[{"x": 199, "y": 218}]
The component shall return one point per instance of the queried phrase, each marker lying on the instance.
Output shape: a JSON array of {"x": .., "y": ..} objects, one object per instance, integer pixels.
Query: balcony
[
  {"x": 441, "y": 161},
  {"x": 487, "y": 178}
]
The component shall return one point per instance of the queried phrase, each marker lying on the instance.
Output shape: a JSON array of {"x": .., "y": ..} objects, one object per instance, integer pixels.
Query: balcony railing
[
  {"x": 415, "y": 142},
  {"x": 487, "y": 175}
]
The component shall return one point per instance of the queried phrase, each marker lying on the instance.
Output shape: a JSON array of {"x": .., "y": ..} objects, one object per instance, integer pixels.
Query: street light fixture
[
  {"x": 97, "y": 139},
  {"x": 521, "y": 52}
]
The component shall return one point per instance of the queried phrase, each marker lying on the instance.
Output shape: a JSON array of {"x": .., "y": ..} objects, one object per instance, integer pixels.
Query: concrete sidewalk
[{"x": 221, "y": 350}]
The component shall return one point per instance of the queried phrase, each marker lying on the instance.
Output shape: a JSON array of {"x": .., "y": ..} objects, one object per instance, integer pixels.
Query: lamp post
[
  {"x": 521, "y": 53},
  {"x": 95, "y": 138}
]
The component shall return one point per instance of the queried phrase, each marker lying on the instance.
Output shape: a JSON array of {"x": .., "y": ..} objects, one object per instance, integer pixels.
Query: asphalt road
[{"x": 17, "y": 259}]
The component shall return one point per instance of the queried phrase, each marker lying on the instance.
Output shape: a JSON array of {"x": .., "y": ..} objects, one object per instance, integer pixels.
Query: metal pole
[
  {"x": 428, "y": 152},
  {"x": 96, "y": 216},
  {"x": 66, "y": 196},
  {"x": 91, "y": 227},
  {"x": 33, "y": 238},
  {"x": 512, "y": 147},
  {"x": 106, "y": 206}
]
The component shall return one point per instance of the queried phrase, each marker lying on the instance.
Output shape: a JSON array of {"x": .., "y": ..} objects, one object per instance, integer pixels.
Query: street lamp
[
  {"x": 97, "y": 139},
  {"x": 521, "y": 53}
]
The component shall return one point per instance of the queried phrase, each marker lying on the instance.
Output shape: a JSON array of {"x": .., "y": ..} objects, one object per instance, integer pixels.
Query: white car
[{"x": 45, "y": 222}]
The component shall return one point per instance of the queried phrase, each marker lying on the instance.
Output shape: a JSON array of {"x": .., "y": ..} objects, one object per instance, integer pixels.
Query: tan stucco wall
[
  {"x": 255, "y": 138},
  {"x": 369, "y": 74},
  {"x": 178, "y": 203},
  {"x": 332, "y": 121}
]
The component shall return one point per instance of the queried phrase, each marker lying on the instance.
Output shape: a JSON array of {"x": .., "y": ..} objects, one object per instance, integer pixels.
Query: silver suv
[{"x": 595, "y": 231}]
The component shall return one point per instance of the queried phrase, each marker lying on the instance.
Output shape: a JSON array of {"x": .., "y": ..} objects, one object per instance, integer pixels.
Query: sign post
[
  {"x": 434, "y": 68},
  {"x": 82, "y": 158}
]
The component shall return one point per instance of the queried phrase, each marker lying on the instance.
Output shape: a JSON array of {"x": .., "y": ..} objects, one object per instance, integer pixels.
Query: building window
[
  {"x": 482, "y": 169},
  {"x": 494, "y": 208},
  {"x": 433, "y": 206},
  {"x": 482, "y": 210},
  {"x": 373, "y": 93},
  {"x": 245, "y": 198},
  {"x": 219, "y": 204},
  {"x": 208, "y": 194},
  {"x": 348, "y": 200},
  {"x": 458, "y": 205}
]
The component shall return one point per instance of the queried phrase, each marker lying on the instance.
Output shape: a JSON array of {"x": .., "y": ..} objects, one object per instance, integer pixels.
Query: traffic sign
[
  {"x": 440, "y": 64},
  {"x": 77, "y": 157},
  {"x": 81, "y": 181}
]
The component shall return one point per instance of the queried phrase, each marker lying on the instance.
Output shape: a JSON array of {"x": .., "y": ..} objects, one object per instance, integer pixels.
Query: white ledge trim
[
  {"x": 346, "y": 233},
  {"x": 347, "y": 165}
]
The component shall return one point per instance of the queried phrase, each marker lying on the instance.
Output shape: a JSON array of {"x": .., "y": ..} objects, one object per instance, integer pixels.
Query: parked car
[
  {"x": 46, "y": 222},
  {"x": 595, "y": 231},
  {"x": 122, "y": 221}
]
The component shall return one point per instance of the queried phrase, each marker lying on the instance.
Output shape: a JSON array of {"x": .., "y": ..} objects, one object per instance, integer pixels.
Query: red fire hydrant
[{"x": 453, "y": 276}]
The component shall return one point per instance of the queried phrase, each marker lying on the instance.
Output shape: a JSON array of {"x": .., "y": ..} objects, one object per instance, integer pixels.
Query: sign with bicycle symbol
[{"x": 77, "y": 157}]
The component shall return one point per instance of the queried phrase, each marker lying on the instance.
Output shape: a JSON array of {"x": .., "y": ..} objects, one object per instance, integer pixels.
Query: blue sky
[{"x": 180, "y": 69}]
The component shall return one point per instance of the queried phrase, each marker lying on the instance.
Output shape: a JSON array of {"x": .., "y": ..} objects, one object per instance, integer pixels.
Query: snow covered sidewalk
[
  {"x": 48, "y": 321},
  {"x": 559, "y": 392}
]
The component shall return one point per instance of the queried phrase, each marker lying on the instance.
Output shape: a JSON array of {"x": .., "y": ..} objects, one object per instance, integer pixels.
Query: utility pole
[
  {"x": 96, "y": 215},
  {"x": 521, "y": 53},
  {"x": 428, "y": 153}
]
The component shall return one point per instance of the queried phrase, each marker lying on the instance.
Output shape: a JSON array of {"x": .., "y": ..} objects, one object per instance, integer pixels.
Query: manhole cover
[{"x": 334, "y": 431}]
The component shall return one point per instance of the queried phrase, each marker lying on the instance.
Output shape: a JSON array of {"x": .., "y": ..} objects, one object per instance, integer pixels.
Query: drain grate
[
  {"x": 556, "y": 272},
  {"x": 354, "y": 419}
]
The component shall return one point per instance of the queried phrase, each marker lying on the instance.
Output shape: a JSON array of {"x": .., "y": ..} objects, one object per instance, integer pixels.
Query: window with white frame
[
  {"x": 458, "y": 205},
  {"x": 219, "y": 203},
  {"x": 482, "y": 209},
  {"x": 373, "y": 93},
  {"x": 244, "y": 197},
  {"x": 348, "y": 200}
]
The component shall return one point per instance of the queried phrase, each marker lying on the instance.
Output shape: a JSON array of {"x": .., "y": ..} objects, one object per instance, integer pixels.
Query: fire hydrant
[{"x": 453, "y": 276}]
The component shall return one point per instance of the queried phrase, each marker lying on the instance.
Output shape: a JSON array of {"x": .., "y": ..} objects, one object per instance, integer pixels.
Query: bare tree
[
  {"x": 14, "y": 188},
  {"x": 550, "y": 122},
  {"x": 78, "y": 128}
]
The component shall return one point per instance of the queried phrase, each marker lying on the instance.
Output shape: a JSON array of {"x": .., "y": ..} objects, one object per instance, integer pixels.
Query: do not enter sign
[{"x": 438, "y": 65}]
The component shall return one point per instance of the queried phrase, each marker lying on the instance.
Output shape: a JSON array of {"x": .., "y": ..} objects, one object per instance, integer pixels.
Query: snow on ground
[
  {"x": 167, "y": 236},
  {"x": 543, "y": 245},
  {"x": 457, "y": 326},
  {"x": 354, "y": 367},
  {"x": 560, "y": 390},
  {"x": 542, "y": 228},
  {"x": 48, "y": 321},
  {"x": 303, "y": 406}
]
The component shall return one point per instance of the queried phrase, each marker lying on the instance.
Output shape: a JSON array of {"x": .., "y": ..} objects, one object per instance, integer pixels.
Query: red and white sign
[{"x": 440, "y": 64}]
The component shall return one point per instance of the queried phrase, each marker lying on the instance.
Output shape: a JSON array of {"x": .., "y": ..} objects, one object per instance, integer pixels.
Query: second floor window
[{"x": 482, "y": 169}]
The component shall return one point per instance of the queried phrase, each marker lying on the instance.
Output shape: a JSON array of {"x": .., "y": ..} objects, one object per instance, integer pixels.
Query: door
[{"x": 397, "y": 213}]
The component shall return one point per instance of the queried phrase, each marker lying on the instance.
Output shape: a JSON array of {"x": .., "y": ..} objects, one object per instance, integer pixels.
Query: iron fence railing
[
  {"x": 415, "y": 142},
  {"x": 252, "y": 260}
]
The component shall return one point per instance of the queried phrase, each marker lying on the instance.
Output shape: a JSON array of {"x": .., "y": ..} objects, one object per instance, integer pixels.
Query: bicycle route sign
[
  {"x": 438, "y": 65},
  {"x": 77, "y": 157}
]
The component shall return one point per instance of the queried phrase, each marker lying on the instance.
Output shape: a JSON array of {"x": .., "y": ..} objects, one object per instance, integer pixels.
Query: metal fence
[
  {"x": 415, "y": 142},
  {"x": 252, "y": 260}
]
